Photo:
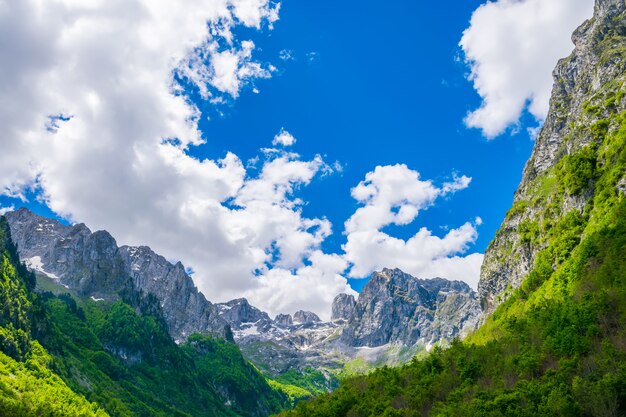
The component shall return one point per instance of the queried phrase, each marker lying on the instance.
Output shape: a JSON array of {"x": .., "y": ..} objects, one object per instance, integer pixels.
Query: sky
[{"x": 282, "y": 151}]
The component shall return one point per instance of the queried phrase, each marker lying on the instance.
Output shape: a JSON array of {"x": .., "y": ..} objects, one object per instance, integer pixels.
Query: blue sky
[{"x": 166, "y": 118}]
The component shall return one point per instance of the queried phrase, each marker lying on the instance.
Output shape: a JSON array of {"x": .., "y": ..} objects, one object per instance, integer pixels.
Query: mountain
[
  {"x": 93, "y": 265},
  {"x": 552, "y": 341},
  {"x": 342, "y": 307},
  {"x": 28, "y": 388},
  {"x": 396, "y": 308},
  {"x": 396, "y": 314},
  {"x": 585, "y": 105}
]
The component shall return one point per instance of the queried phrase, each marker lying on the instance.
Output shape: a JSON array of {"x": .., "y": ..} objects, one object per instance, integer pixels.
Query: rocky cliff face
[
  {"x": 89, "y": 263},
  {"x": 239, "y": 313},
  {"x": 342, "y": 307},
  {"x": 283, "y": 320},
  {"x": 396, "y": 308},
  {"x": 305, "y": 317},
  {"x": 186, "y": 310},
  {"x": 93, "y": 265},
  {"x": 588, "y": 92},
  {"x": 395, "y": 312}
]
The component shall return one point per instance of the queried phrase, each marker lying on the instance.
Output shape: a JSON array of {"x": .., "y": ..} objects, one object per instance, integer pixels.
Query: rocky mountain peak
[
  {"x": 283, "y": 320},
  {"x": 239, "y": 312},
  {"x": 305, "y": 317},
  {"x": 342, "y": 307},
  {"x": 395, "y": 307},
  {"x": 72, "y": 255}
]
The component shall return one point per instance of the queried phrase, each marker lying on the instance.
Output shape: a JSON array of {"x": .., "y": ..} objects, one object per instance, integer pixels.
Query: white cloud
[
  {"x": 512, "y": 46},
  {"x": 284, "y": 138},
  {"x": 286, "y": 55},
  {"x": 226, "y": 70},
  {"x": 308, "y": 288},
  {"x": 395, "y": 195},
  {"x": 457, "y": 184},
  {"x": 5, "y": 210},
  {"x": 392, "y": 194},
  {"x": 253, "y": 12}
]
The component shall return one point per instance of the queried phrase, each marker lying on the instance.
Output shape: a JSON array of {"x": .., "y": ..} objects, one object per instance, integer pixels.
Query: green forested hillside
[
  {"x": 65, "y": 356},
  {"x": 28, "y": 386}
]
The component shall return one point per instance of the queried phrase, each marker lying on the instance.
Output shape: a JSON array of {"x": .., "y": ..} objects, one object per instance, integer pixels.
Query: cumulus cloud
[
  {"x": 512, "y": 47},
  {"x": 308, "y": 286},
  {"x": 396, "y": 195},
  {"x": 284, "y": 138}
]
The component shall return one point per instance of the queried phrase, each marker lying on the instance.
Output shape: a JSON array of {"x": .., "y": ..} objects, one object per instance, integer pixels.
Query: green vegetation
[
  {"x": 294, "y": 393},
  {"x": 28, "y": 387},
  {"x": 313, "y": 381},
  {"x": 557, "y": 345},
  {"x": 577, "y": 170},
  {"x": 65, "y": 356}
]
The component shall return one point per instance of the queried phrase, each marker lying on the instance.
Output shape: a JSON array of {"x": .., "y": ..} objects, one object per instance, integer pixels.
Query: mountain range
[{"x": 394, "y": 312}]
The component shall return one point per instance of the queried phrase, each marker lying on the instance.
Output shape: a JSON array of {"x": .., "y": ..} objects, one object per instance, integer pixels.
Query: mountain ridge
[
  {"x": 68, "y": 255},
  {"x": 94, "y": 265}
]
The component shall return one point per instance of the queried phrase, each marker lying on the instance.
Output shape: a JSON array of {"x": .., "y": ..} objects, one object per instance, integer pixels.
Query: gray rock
[
  {"x": 342, "y": 307},
  {"x": 621, "y": 186},
  {"x": 396, "y": 308},
  {"x": 305, "y": 317},
  {"x": 239, "y": 312},
  {"x": 283, "y": 320},
  {"x": 186, "y": 310},
  {"x": 89, "y": 263}
]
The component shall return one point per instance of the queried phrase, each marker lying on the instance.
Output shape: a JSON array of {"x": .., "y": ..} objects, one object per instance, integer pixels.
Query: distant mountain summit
[
  {"x": 394, "y": 310},
  {"x": 395, "y": 307}
]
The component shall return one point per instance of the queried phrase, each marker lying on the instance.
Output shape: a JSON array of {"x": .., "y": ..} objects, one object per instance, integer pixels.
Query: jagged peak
[
  {"x": 391, "y": 274},
  {"x": 238, "y": 301}
]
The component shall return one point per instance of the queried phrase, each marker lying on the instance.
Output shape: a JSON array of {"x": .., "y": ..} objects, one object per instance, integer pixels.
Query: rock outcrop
[
  {"x": 396, "y": 308},
  {"x": 185, "y": 309},
  {"x": 584, "y": 83},
  {"x": 239, "y": 312},
  {"x": 283, "y": 320},
  {"x": 89, "y": 263},
  {"x": 305, "y": 317},
  {"x": 342, "y": 307}
]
